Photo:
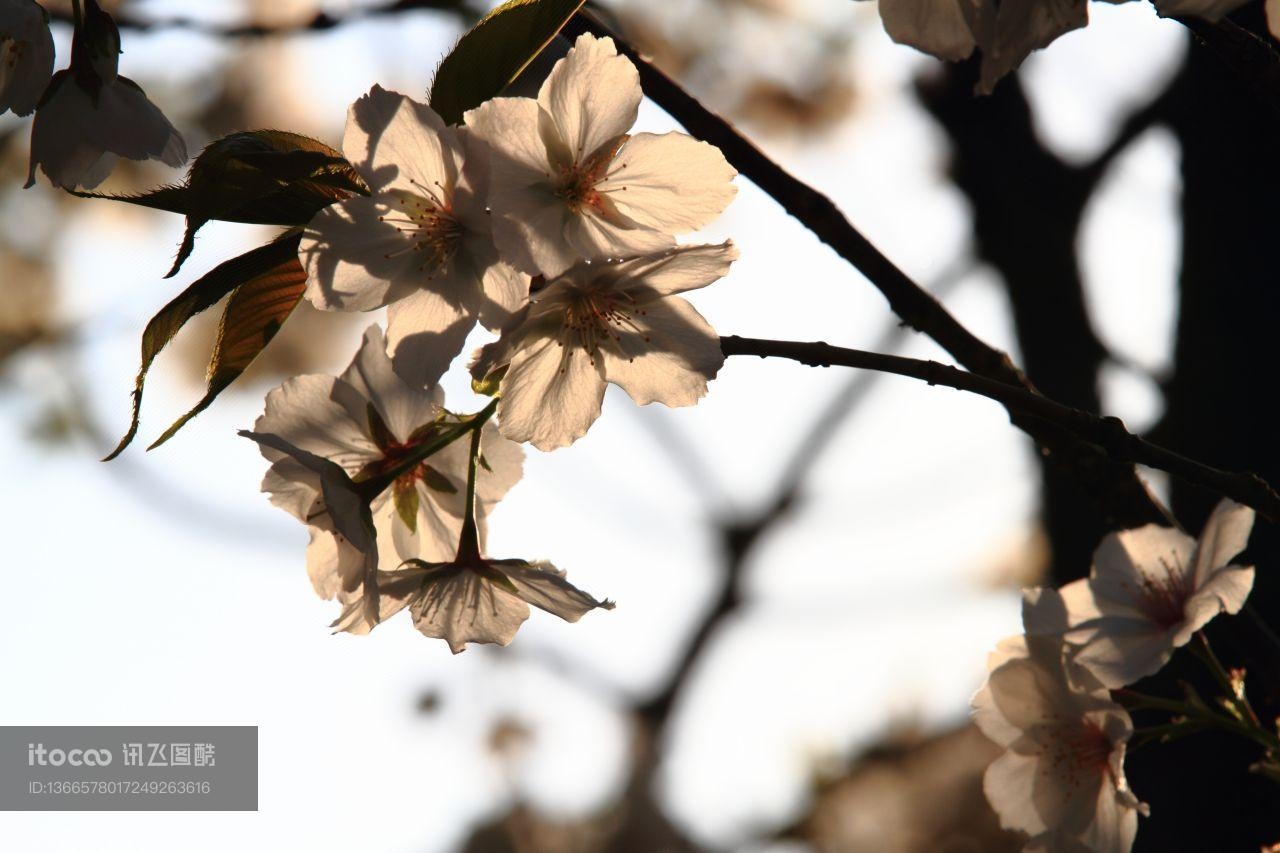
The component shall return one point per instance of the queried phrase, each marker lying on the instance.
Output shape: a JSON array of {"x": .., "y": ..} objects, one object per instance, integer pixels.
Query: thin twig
[
  {"x": 815, "y": 211},
  {"x": 1108, "y": 433}
]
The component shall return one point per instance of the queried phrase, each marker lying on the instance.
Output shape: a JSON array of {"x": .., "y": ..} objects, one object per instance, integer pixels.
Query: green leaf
[
  {"x": 257, "y": 309},
  {"x": 494, "y": 53},
  {"x": 203, "y": 293},
  {"x": 262, "y": 177},
  {"x": 404, "y": 493},
  {"x": 382, "y": 435},
  {"x": 437, "y": 482},
  {"x": 490, "y": 384}
]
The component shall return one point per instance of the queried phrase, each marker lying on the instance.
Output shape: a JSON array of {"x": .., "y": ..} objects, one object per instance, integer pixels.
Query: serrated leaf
[
  {"x": 256, "y": 311},
  {"x": 494, "y": 52},
  {"x": 437, "y": 482},
  {"x": 203, "y": 293},
  {"x": 261, "y": 177}
]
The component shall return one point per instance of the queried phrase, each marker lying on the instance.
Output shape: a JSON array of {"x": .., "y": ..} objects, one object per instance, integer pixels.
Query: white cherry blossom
[
  {"x": 570, "y": 182},
  {"x": 600, "y": 322},
  {"x": 1149, "y": 591},
  {"x": 26, "y": 55},
  {"x": 470, "y": 599},
  {"x": 1061, "y": 778},
  {"x": 90, "y": 116},
  {"x": 367, "y": 421},
  {"x": 420, "y": 243},
  {"x": 937, "y": 27},
  {"x": 1007, "y": 32}
]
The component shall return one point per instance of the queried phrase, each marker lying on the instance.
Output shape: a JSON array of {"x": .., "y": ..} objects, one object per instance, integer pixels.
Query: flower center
[
  {"x": 427, "y": 221},
  {"x": 576, "y": 183},
  {"x": 594, "y": 316},
  {"x": 1163, "y": 598},
  {"x": 1077, "y": 752}
]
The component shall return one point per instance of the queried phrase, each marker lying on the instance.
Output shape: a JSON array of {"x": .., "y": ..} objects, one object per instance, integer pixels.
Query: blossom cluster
[
  {"x": 87, "y": 115},
  {"x": 544, "y": 220},
  {"x": 1007, "y": 31},
  {"x": 1047, "y": 697}
]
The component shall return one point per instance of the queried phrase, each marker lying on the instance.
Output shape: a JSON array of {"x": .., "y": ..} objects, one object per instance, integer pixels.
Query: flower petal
[
  {"x": 397, "y": 143},
  {"x": 1225, "y": 592},
  {"x": 403, "y": 408},
  {"x": 1225, "y": 535},
  {"x": 308, "y": 411},
  {"x": 937, "y": 27},
  {"x": 396, "y": 590},
  {"x": 592, "y": 95},
  {"x": 355, "y": 261},
  {"x": 543, "y": 585},
  {"x": 461, "y": 606},
  {"x": 675, "y": 271},
  {"x": 1123, "y": 650},
  {"x": 426, "y": 331},
  {"x": 667, "y": 358},
  {"x": 1126, "y": 561},
  {"x": 551, "y": 394},
  {"x": 671, "y": 183},
  {"x": 590, "y": 235},
  {"x": 1006, "y": 783}
]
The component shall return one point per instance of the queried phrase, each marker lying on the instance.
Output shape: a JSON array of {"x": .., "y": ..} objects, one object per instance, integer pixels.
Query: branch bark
[{"x": 1108, "y": 433}]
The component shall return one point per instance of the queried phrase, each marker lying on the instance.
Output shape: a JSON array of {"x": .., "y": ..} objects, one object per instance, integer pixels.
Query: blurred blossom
[
  {"x": 601, "y": 322},
  {"x": 421, "y": 243},
  {"x": 367, "y": 421},
  {"x": 26, "y": 55},
  {"x": 1150, "y": 590},
  {"x": 90, "y": 115},
  {"x": 570, "y": 182},
  {"x": 1061, "y": 778},
  {"x": 1006, "y": 32}
]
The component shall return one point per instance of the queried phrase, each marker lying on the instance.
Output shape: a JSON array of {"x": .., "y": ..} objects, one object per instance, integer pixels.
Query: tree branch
[
  {"x": 815, "y": 211},
  {"x": 1108, "y": 433}
]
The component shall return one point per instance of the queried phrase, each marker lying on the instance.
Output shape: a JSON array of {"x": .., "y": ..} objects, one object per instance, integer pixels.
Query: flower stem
[
  {"x": 469, "y": 541},
  {"x": 374, "y": 487},
  {"x": 1202, "y": 650}
]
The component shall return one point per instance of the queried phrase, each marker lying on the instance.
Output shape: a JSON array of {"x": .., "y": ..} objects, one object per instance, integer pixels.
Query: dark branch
[
  {"x": 815, "y": 211},
  {"x": 1108, "y": 433}
]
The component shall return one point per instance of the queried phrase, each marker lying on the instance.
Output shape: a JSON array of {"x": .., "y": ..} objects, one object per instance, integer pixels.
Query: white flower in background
[
  {"x": 420, "y": 243},
  {"x": 1149, "y": 591},
  {"x": 569, "y": 182},
  {"x": 1006, "y": 32},
  {"x": 937, "y": 27},
  {"x": 26, "y": 55},
  {"x": 91, "y": 116},
  {"x": 471, "y": 599},
  {"x": 1061, "y": 779},
  {"x": 605, "y": 321},
  {"x": 367, "y": 421}
]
